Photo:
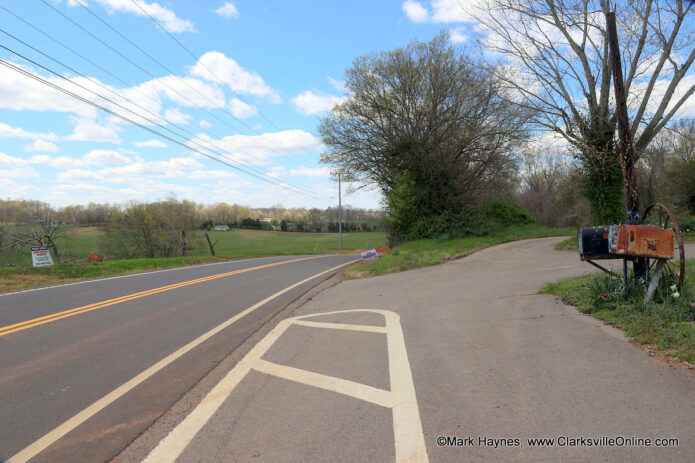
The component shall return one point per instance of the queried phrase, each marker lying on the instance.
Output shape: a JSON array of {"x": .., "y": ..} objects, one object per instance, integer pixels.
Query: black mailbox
[{"x": 593, "y": 243}]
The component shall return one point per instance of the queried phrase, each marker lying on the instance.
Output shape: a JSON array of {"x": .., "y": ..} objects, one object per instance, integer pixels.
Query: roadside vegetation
[
  {"x": 77, "y": 243},
  {"x": 668, "y": 322},
  {"x": 421, "y": 253}
]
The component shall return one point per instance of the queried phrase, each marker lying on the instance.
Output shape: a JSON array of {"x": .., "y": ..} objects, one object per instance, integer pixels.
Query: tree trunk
[
  {"x": 52, "y": 244},
  {"x": 207, "y": 237}
]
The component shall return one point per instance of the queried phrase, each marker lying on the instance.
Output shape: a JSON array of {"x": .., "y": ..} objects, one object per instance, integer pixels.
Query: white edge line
[
  {"x": 185, "y": 267},
  {"x": 51, "y": 437}
]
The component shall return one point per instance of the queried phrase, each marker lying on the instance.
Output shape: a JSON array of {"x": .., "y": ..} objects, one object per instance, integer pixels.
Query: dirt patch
[{"x": 665, "y": 356}]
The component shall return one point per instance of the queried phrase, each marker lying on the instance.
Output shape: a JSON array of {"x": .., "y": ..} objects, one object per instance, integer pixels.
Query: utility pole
[
  {"x": 340, "y": 216},
  {"x": 625, "y": 145}
]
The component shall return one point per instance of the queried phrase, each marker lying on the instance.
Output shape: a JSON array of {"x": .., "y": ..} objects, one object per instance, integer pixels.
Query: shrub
[{"x": 500, "y": 213}]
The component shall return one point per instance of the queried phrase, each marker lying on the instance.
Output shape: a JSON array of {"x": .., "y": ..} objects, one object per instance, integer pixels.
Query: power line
[
  {"x": 192, "y": 135},
  {"x": 96, "y": 82},
  {"x": 144, "y": 127},
  {"x": 195, "y": 58},
  {"x": 137, "y": 65},
  {"x": 155, "y": 60},
  {"x": 159, "y": 63}
]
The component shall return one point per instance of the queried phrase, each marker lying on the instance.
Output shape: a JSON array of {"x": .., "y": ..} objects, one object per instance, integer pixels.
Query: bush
[
  {"x": 408, "y": 221},
  {"x": 500, "y": 213}
]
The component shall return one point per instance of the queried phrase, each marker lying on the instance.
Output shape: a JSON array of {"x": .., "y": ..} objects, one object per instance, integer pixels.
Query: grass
[
  {"x": 570, "y": 244},
  {"x": 667, "y": 323},
  {"x": 421, "y": 253},
  {"x": 78, "y": 243}
]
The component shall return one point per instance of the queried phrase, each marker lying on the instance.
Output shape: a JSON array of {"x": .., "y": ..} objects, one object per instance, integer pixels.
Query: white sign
[
  {"x": 40, "y": 256},
  {"x": 369, "y": 256}
]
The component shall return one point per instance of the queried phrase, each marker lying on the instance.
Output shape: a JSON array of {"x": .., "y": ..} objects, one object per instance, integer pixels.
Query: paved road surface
[
  {"x": 485, "y": 355},
  {"x": 57, "y": 365}
]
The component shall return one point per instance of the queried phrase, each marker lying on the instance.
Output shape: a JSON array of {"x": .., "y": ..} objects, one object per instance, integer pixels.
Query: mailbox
[
  {"x": 593, "y": 243},
  {"x": 642, "y": 241}
]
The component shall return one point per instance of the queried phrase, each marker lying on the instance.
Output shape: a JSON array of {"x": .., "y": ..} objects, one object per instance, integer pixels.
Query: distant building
[{"x": 221, "y": 228}]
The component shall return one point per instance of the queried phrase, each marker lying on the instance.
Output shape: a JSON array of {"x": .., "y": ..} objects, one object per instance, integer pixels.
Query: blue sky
[{"x": 283, "y": 60}]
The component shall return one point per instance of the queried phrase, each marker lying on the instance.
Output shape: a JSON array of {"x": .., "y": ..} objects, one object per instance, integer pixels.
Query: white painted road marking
[
  {"x": 408, "y": 438},
  {"x": 44, "y": 442}
]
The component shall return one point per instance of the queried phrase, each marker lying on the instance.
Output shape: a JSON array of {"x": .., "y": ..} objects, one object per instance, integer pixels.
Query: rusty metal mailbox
[{"x": 641, "y": 241}]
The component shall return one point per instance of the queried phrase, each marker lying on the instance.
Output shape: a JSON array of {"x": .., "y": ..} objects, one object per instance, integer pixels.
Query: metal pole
[{"x": 340, "y": 216}]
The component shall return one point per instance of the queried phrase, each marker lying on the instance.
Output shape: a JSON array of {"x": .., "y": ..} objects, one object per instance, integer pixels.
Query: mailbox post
[{"x": 640, "y": 242}]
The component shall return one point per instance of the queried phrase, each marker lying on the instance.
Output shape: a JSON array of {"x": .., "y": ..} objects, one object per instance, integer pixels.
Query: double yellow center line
[{"x": 99, "y": 305}]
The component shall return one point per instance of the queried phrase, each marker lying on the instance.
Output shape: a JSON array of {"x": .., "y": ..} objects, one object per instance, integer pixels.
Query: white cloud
[
  {"x": 228, "y": 71},
  {"x": 415, "y": 11},
  {"x": 7, "y": 131},
  {"x": 154, "y": 143},
  {"x": 176, "y": 168},
  {"x": 185, "y": 91},
  {"x": 241, "y": 109},
  {"x": 17, "y": 173},
  {"x": 10, "y": 161},
  {"x": 311, "y": 171},
  {"x": 338, "y": 84},
  {"x": 79, "y": 175},
  {"x": 257, "y": 149},
  {"x": 311, "y": 103},
  {"x": 457, "y": 35},
  {"x": 41, "y": 145},
  {"x": 105, "y": 157},
  {"x": 19, "y": 92},
  {"x": 176, "y": 117},
  {"x": 165, "y": 16},
  {"x": 228, "y": 10},
  {"x": 205, "y": 124},
  {"x": 90, "y": 130},
  {"x": 63, "y": 162},
  {"x": 441, "y": 11}
]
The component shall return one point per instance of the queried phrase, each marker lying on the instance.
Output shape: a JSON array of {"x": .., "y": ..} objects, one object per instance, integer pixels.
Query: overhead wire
[
  {"x": 159, "y": 63},
  {"x": 260, "y": 140},
  {"x": 259, "y": 171},
  {"x": 195, "y": 58},
  {"x": 131, "y": 121}
]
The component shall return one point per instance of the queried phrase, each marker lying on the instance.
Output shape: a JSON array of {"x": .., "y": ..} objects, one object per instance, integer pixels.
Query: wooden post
[
  {"x": 625, "y": 145},
  {"x": 656, "y": 276},
  {"x": 207, "y": 237}
]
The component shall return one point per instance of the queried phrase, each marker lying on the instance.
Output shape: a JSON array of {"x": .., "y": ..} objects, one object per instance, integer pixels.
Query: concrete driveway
[{"x": 463, "y": 361}]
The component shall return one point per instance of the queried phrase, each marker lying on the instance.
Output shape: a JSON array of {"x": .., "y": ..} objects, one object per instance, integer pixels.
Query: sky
[
  {"x": 247, "y": 79},
  {"x": 258, "y": 78}
]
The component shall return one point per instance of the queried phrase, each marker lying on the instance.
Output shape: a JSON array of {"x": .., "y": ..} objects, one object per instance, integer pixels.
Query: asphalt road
[
  {"x": 379, "y": 370},
  {"x": 54, "y": 366}
]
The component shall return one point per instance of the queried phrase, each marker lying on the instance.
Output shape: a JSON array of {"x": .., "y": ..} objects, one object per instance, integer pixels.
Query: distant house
[{"x": 221, "y": 228}]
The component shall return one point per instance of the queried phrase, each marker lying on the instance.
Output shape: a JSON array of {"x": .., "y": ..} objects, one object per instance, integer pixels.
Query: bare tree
[
  {"x": 559, "y": 65},
  {"x": 33, "y": 225}
]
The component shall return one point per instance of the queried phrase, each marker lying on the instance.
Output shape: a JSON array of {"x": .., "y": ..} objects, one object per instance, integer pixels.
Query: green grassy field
[
  {"x": 667, "y": 323},
  {"x": 422, "y": 253},
  {"x": 77, "y": 243}
]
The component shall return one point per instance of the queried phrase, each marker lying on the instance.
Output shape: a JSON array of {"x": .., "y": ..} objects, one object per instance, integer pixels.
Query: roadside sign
[
  {"x": 369, "y": 256},
  {"x": 40, "y": 256}
]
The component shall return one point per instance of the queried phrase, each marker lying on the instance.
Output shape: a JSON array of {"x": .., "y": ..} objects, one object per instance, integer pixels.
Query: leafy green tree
[{"x": 429, "y": 110}]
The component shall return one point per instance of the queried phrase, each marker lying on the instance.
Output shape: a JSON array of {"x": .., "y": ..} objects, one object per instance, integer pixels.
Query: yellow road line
[
  {"x": 99, "y": 305},
  {"x": 51, "y": 437}
]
